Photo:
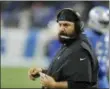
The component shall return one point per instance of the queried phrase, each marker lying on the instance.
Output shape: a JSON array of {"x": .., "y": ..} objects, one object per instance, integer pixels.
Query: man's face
[{"x": 66, "y": 28}]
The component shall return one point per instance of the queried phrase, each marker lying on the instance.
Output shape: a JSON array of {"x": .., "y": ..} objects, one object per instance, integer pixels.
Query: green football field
[{"x": 17, "y": 78}]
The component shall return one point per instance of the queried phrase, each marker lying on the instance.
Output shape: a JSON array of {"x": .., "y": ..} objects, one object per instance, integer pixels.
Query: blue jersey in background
[{"x": 98, "y": 42}]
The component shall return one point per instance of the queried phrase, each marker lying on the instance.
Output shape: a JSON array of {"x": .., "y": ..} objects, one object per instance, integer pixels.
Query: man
[
  {"x": 98, "y": 27},
  {"x": 75, "y": 65}
]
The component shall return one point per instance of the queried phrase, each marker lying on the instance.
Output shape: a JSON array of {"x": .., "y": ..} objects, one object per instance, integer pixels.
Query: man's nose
[{"x": 62, "y": 28}]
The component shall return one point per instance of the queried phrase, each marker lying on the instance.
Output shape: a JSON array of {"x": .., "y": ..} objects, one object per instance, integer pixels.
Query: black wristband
[
  {"x": 35, "y": 76},
  {"x": 38, "y": 75},
  {"x": 44, "y": 71}
]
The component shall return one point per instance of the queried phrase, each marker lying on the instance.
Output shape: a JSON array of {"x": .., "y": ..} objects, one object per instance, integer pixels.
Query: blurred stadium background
[{"x": 26, "y": 30}]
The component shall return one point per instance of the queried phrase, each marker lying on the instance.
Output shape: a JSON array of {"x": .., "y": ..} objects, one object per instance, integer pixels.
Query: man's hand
[
  {"x": 47, "y": 81},
  {"x": 33, "y": 72}
]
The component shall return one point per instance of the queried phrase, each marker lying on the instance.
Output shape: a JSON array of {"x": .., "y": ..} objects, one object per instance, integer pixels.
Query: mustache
[{"x": 62, "y": 33}]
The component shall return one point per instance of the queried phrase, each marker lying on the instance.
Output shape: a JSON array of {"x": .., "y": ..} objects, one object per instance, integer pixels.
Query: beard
[{"x": 65, "y": 38}]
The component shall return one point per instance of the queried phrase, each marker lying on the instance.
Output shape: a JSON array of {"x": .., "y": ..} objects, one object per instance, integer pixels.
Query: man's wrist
[
  {"x": 59, "y": 85},
  {"x": 54, "y": 85}
]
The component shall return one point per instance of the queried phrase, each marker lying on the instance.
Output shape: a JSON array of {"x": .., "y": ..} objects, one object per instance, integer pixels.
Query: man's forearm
[{"x": 62, "y": 84}]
